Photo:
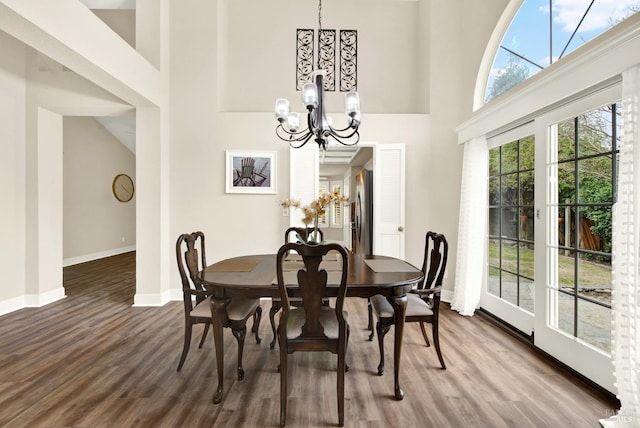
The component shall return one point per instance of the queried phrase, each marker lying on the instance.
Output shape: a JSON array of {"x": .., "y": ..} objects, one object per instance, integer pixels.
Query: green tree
[
  {"x": 592, "y": 156},
  {"x": 508, "y": 77}
]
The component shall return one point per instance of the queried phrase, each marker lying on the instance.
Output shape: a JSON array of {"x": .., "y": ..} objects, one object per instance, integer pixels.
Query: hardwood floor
[{"x": 93, "y": 360}]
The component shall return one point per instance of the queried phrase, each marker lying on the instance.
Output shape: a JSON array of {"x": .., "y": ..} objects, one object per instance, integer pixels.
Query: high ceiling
[{"x": 110, "y": 4}]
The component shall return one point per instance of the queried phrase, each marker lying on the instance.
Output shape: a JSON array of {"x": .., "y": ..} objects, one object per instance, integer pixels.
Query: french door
[{"x": 552, "y": 186}]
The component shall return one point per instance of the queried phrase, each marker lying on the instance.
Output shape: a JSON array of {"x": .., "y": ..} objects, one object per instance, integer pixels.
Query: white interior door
[
  {"x": 304, "y": 178},
  {"x": 388, "y": 199}
]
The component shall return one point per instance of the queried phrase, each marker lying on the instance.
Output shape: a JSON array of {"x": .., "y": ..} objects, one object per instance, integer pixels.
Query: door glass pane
[
  {"x": 510, "y": 288},
  {"x": 566, "y": 308},
  {"x": 526, "y": 260},
  {"x": 494, "y": 191},
  {"x": 509, "y": 191},
  {"x": 594, "y": 277},
  {"x": 527, "y": 294},
  {"x": 527, "y": 153},
  {"x": 494, "y": 161},
  {"x": 566, "y": 270},
  {"x": 526, "y": 188},
  {"x": 594, "y": 324},
  {"x": 510, "y": 222},
  {"x": 526, "y": 224},
  {"x": 494, "y": 221},
  {"x": 595, "y": 132},
  {"x": 509, "y": 256},
  {"x": 493, "y": 282},
  {"x": 494, "y": 252},
  {"x": 595, "y": 180},
  {"x": 509, "y": 158},
  {"x": 566, "y": 182},
  {"x": 566, "y": 140}
]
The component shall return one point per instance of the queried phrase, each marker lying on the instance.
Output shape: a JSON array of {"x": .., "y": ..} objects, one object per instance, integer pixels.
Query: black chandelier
[{"x": 318, "y": 125}]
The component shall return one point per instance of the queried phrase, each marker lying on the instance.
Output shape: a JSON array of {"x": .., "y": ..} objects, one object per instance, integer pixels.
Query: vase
[{"x": 314, "y": 237}]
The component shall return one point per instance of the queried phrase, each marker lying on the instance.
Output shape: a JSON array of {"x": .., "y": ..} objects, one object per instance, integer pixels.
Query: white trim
[
  {"x": 446, "y": 295},
  {"x": 513, "y": 134},
  {"x": 14, "y": 304},
  {"x": 31, "y": 300},
  {"x": 95, "y": 256},
  {"x": 142, "y": 300},
  {"x": 37, "y": 300}
]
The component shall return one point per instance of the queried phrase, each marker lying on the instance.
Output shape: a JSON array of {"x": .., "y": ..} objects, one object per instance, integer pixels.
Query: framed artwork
[{"x": 251, "y": 171}]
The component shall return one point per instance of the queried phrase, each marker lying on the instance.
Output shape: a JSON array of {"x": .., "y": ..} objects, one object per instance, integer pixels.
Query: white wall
[
  {"x": 96, "y": 224},
  {"x": 221, "y": 82},
  {"x": 257, "y": 59},
  {"x": 12, "y": 172}
]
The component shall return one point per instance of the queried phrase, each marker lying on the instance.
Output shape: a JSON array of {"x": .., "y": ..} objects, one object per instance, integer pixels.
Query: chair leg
[
  {"x": 187, "y": 343},
  {"x": 381, "y": 330},
  {"x": 370, "y": 325},
  {"x": 424, "y": 334},
  {"x": 283, "y": 382},
  {"x": 257, "y": 316},
  {"x": 275, "y": 307},
  {"x": 204, "y": 334},
  {"x": 341, "y": 370},
  {"x": 436, "y": 342},
  {"x": 240, "y": 334}
]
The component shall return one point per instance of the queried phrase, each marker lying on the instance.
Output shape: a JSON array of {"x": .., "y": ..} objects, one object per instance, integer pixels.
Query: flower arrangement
[{"x": 316, "y": 209}]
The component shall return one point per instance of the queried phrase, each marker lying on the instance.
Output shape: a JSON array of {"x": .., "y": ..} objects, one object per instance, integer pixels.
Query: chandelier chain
[{"x": 319, "y": 29}]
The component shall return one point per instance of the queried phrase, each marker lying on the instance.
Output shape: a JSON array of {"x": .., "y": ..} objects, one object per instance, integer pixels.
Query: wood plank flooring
[{"x": 93, "y": 360}]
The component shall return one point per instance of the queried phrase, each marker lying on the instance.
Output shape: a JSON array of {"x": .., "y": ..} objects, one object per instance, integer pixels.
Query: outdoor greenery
[
  {"x": 593, "y": 155},
  {"x": 594, "y": 274}
]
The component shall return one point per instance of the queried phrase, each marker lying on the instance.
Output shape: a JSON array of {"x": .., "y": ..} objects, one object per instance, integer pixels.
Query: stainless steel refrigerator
[{"x": 363, "y": 221}]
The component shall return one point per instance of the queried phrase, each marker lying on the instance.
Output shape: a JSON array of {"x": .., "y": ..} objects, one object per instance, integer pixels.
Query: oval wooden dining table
[{"x": 254, "y": 276}]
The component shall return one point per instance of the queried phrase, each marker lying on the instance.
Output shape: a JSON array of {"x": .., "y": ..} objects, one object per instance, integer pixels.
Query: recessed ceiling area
[
  {"x": 109, "y": 4},
  {"x": 340, "y": 158}
]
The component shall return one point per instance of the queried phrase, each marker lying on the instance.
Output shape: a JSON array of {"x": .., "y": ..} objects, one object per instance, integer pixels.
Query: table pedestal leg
[
  {"x": 217, "y": 311},
  {"x": 399, "y": 304}
]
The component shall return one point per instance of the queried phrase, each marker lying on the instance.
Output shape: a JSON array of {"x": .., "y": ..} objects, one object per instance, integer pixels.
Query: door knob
[{"x": 400, "y": 229}]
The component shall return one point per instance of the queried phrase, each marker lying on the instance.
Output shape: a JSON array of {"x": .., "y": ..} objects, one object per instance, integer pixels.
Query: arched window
[{"x": 544, "y": 31}]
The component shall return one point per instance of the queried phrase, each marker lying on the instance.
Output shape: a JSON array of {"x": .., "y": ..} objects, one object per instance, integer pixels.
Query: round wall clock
[{"x": 123, "y": 187}]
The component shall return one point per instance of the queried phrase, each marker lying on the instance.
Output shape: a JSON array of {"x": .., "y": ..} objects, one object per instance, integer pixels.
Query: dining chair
[
  {"x": 423, "y": 302},
  {"x": 292, "y": 234},
  {"x": 312, "y": 327},
  {"x": 190, "y": 253}
]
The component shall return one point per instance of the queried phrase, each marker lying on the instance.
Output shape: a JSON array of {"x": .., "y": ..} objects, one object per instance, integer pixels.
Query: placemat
[
  {"x": 234, "y": 265},
  {"x": 390, "y": 266}
]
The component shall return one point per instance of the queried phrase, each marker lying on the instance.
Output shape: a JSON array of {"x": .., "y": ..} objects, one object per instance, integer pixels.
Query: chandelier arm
[
  {"x": 346, "y": 128},
  {"x": 297, "y": 146},
  {"x": 339, "y": 138},
  {"x": 291, "y": 136},
  {"x": 336, "y": 133}
]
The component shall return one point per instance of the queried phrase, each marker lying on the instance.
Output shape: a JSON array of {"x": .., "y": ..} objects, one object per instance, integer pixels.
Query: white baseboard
[
  {"x": 141, "y": 300},
  {"x": 11, "y": 305},
  {"x": 95, "y": 256},
  {"x": 446, "y": 296},
  {"x": 31, "y": 300}
]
